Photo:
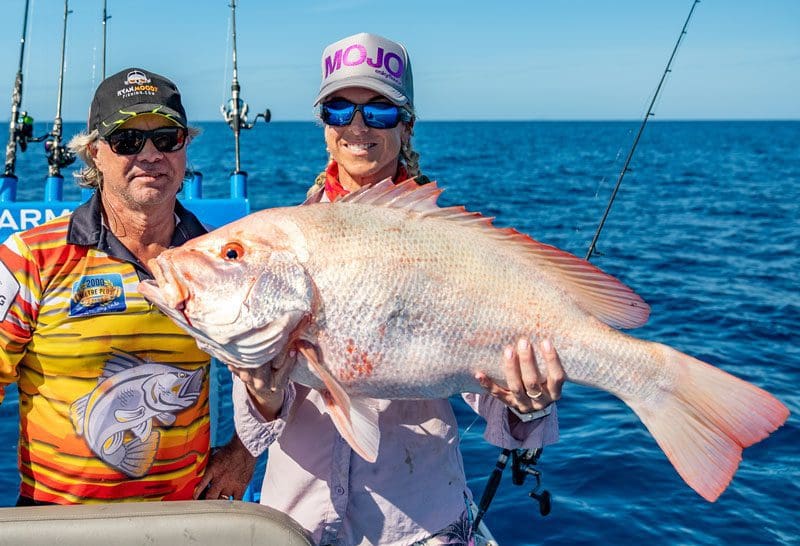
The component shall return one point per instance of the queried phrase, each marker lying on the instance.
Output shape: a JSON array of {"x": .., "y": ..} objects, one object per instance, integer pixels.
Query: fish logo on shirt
[{"x": 117, "y": 417}]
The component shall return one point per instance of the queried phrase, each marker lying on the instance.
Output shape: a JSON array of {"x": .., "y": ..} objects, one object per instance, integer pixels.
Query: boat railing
[{"x": 19, "y": 215}]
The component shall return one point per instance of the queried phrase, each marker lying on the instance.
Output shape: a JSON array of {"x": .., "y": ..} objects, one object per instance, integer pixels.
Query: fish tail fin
[
  {"x": 77, "y": 414},
  {"x": 706, "y": 420}
]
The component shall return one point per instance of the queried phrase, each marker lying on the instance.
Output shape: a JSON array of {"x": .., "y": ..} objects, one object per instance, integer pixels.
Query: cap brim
[
  {"x": 369, "y": 83},
  {"x": 111, "y": 123}
]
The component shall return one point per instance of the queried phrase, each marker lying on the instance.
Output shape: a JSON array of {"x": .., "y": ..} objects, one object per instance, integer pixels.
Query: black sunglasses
[
  {"x": 378, "y": 115},
  {"x": 131, "y": 141}
]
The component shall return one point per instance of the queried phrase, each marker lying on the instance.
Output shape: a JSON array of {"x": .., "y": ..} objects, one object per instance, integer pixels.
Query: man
[{"x": 113, "y": 396}]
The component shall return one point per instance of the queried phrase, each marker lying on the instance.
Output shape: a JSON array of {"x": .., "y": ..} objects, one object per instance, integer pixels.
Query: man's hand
[{"x": 229, "y": 471}]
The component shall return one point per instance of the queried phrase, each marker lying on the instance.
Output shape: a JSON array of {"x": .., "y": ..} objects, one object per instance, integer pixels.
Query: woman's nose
[{"x": 357, "y": 124}]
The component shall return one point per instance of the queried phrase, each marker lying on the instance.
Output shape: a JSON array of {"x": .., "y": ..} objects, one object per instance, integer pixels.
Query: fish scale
[
  {"x": 387, "y": 296},
  {"x": 441, "y": 260}
]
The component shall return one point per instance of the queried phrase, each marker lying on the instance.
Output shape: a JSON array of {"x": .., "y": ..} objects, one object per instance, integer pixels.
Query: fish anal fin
[
  {"x": 140, "y": 455},
  {"x": 708, "y": 417},
  {"x": 355, "y": 419}
]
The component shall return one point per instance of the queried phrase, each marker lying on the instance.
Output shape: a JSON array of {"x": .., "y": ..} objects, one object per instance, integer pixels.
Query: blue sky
[{"x": 525, "y": 59}]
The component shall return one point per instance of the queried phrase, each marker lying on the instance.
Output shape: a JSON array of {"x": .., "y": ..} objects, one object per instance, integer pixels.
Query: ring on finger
[{"x": 534, "y": 395}]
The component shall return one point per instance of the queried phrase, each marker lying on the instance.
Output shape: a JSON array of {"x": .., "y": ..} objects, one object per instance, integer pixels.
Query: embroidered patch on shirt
[
  {"x": 9, "y": 288},
  {"x": 97, "y": 294}
]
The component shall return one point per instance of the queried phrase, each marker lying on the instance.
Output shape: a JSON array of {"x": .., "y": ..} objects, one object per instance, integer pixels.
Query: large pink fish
[{"x": 388, "y": 296}]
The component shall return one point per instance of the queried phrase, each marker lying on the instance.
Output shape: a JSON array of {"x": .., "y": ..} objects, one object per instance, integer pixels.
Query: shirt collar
[{"x": 86, "y": 228}]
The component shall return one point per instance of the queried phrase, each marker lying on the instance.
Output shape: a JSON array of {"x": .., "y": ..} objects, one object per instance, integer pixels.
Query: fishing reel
[
  {"x": 523, "y": 464},
  {"x": 238, "y": 105},
  {"x": 23, "y": 132},
  {"x": 58, "y": 155}
]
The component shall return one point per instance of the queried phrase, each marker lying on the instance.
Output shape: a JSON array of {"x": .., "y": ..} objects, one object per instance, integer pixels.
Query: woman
[{"x": 416, "y": 492}]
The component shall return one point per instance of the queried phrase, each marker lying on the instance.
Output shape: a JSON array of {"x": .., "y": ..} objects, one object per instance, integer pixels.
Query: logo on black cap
[
  {"x": 131, "y": 92},
  {"x": 136, "y": 77}
]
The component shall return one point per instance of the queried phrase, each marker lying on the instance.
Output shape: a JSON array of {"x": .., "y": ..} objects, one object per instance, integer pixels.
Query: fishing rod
[
  {"x": 20, "y": 126},
  {"x": 235, "y": 112},
  {"x": 649, "y": 113},
  {"x": 106, "y": 17},
  {"x": 58, "y": 156},
  {"x": 524, "y": 461}
]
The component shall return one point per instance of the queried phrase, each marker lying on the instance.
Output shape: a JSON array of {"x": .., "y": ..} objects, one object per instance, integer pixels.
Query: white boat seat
[{"x": 219, "y": 522}]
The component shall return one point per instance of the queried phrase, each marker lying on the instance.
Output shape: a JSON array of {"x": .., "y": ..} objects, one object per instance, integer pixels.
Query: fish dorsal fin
[
  {"x": 119, "y": 362},
  {"x": 595, "y": 291}
]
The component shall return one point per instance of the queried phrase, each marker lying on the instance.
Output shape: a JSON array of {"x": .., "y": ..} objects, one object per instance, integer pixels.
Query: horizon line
[{"x": 536, "y": 120}]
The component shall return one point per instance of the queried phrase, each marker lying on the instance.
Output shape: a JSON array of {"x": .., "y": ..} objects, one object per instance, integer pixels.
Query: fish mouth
[
  {"x": 254, "y": 347},
  {"x": 151, "y": 290},
  {"x": 237, "y": 341},
  {"x": 170, "y": 292},
  {"x": 191, "y": 389}
]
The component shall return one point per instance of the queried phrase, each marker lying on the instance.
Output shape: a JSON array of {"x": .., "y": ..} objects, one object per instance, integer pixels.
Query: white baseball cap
[{"x": 369, "y": 61}]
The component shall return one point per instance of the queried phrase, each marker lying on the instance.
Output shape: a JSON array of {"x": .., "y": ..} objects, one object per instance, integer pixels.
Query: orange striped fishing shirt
[{"x": 113, "y": 396}]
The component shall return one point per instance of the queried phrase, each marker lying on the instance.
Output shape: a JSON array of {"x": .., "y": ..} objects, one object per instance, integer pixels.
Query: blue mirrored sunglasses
[{"x": 378, "y": 115}]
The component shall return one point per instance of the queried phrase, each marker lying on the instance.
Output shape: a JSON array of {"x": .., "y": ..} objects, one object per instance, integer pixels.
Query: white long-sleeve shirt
[{"x": 415, "y": 488}]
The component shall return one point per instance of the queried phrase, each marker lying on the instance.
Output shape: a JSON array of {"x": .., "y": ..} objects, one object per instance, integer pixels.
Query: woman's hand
[
  {"x": 527, "y": 390},
  {"x": 266, "y": 383}
]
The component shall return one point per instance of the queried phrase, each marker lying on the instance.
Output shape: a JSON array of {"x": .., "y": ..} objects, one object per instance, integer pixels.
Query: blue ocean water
[{"x": 705, "y": 228}]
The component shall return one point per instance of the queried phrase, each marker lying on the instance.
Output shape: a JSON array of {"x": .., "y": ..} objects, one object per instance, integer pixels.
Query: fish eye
[{"x": 232, "y": 251}]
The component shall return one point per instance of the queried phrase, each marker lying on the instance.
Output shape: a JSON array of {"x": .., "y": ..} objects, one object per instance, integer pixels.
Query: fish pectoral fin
[
  {"x": 143, "y": 429},
  {"x": 357, "y": 422},
  {"x": 77, "y": 413},
  {"x": 126, "y": 416},
  {"x": 166, "y": 418},
  {"x": 355, "y": 419}
]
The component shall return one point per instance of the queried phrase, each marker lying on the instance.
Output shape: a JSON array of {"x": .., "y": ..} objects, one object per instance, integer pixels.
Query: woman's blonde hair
[
  {"x": 408, "y": 157},
  {"x": 89, "y": 176}
]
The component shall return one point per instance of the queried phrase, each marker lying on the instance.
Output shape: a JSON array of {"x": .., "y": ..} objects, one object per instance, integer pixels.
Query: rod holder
[
  {"x": 193, "y": 186},
  {"x": 54, "y": 188},
  {"x": 238, "y": 185},
  {"x": 8, "y": 188}
]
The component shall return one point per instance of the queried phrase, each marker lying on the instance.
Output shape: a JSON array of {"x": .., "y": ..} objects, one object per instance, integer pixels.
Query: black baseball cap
[{"x": 131, "y": 92}]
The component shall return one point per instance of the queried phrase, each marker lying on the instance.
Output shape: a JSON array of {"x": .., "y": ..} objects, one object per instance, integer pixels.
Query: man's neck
[{"x": 145, "y": 232}]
